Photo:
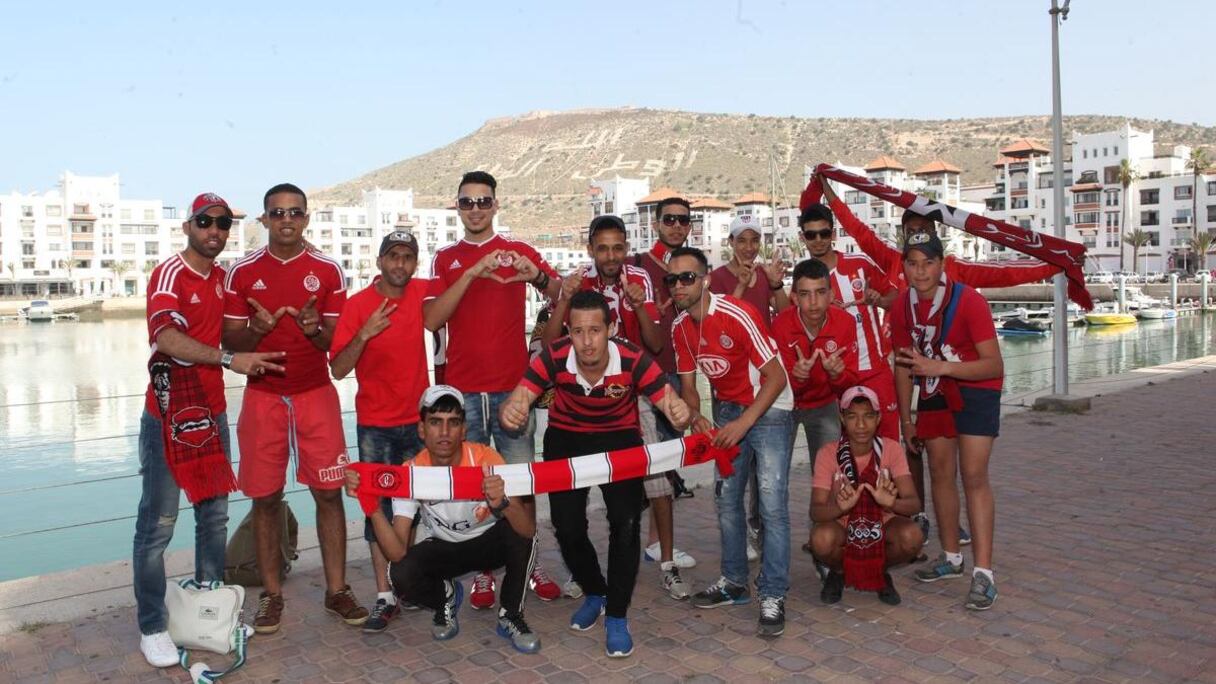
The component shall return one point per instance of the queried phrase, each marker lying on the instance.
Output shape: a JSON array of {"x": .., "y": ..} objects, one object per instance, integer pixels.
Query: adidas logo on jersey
[
  {"x": 455, "y": 264},
  {"x": 194, "y": 299},
  {"x": 259, "y": 285}
]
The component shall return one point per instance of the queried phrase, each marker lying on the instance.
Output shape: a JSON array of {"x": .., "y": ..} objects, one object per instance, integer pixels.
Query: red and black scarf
[
  {"x": 929, "y": 338},
  {"x": 189, "y": 432},
  {"x": 865, "y": 549}
]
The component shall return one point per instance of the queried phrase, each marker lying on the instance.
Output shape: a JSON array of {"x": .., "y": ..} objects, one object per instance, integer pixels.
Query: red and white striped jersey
[{"x": 853, "y": 275}]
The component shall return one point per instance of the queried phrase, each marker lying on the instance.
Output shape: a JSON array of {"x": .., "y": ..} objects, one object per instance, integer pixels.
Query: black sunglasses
[
  {"x": 222, "y": 222},
  {"x": 467, "y": 203},
  {"x": 685, "y": 278},
  {"x": 294, "y": 212},
  {"x": 672, "y": 219},
  {"x": 825, "y": 234}
]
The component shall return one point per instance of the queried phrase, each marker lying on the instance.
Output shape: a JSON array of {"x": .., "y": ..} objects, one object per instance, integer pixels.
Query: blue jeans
[
  {"x": 155, "y": 522},
  {"x": 766, "y": 447},
  {"x": 820, "y": 425},
  {"x": 481, "y": 423},
  {"x": 392, "y": 445}
]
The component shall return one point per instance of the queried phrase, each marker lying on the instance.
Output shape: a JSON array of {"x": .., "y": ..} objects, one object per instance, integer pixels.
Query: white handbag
[{"x": 208, "y": 617}]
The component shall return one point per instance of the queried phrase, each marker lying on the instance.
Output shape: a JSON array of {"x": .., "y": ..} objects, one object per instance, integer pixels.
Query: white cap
[
  {"x": 744, "y": 222},
  {"x": 436, "y": 392}
]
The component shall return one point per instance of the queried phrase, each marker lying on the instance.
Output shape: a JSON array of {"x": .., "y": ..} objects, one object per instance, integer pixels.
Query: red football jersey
[
  {"x": 618, "y": 305},
  {"x": 196, "y": 303},
  {"x": 839, "y": 331},
  {"x": 972, "y": 324}
]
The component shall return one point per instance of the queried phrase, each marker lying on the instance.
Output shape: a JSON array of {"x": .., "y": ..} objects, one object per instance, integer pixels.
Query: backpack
[{"x": 241, "y": 566}]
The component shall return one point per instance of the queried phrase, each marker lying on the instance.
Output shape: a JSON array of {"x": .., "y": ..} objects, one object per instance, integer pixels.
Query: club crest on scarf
[
  {"x": 193, "y": 426},
  {"x": 864, "y": 533}
]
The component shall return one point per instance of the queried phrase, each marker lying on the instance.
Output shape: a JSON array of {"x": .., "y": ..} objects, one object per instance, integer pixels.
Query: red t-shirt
[
  {"x": 729, "y": 346},
  {"x": 196, "y": 303},
  {"x": 662, "y": 297},
  {"x": 611, "y": 403},
  {"x": 723, "y": 282},
  {"x": 391, "y": 370},
  {"x": 972, "y": 325},
  {"x": 838, "y": 331},
  {"x": 618, "y": 304},
  {"x": 273, "y": 283},
  {"x": 487, "y": 350},
  {"x": 853, "y": 275}
]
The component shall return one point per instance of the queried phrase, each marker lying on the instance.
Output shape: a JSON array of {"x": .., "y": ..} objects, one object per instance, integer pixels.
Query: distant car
[
  {"x": 40, "y": 310},
  {"x": 1155, "y": 277},
  {"x": 1101, "y": 277}
]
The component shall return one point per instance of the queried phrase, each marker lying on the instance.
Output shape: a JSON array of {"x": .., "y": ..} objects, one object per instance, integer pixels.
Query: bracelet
[
  {"x": 497, "y": 510},
  {"x": 542, "y": 281}
]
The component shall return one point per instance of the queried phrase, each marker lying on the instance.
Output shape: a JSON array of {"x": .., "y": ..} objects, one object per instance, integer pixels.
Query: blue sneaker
[
  {"x": 721, "y": 593},
  {"x": 511, "y": 626},
  {"x": 584, "y": 618},
  {"x": 964, "y": 537},
  {"x": 982, "y": 594},
  {"x": 620, "y": 642},
  {"x": 939, "y": 569},
  {"x": 445, "y": 626}
]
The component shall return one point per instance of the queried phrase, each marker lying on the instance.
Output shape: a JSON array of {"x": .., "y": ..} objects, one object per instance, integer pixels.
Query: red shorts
[
  {"x": 273, "y": 427},
  {"x": 932, "y": 424},
  {"x": 882, "y": 381}
]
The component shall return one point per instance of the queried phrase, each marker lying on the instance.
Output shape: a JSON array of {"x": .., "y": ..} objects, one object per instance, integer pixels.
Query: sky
[{"x": 235, "y": 97}]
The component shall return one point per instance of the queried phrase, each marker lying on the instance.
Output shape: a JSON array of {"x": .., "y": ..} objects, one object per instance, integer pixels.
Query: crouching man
[{"x": 465, "y": 536}]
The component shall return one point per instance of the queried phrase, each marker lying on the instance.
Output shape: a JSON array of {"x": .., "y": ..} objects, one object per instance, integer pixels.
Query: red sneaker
[
  {"x": 482, "y": 596},
  {"x": 544, "y": 587}
]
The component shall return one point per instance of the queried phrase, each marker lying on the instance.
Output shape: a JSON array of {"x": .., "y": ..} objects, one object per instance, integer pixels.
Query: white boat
[
  {"x": 40, "y": 310},
  {"x": 1157, "y": 313}
]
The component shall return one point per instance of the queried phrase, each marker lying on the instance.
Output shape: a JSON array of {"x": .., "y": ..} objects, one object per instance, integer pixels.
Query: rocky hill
[{"x": 544, "y": 160}]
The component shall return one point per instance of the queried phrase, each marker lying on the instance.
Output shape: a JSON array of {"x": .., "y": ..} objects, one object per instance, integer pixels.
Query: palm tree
[
  {"x": 119, "y": 268},
  {"x": 1196, "y": 163},
  {"x": 1200, "y": 244},
  {"x": 1127, "y": 176},
  {"x": 1136, "y": 238}
]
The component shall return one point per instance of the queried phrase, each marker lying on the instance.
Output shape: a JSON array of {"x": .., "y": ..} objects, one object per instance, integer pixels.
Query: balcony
[{"x": 1181, "y": 220}]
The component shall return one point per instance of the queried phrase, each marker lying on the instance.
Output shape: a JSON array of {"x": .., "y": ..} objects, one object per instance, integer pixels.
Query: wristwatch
[
  {"x": 226, "y": 358},
  {"x": 541, "y": 281},
  {"x": 497, "y": 510}
]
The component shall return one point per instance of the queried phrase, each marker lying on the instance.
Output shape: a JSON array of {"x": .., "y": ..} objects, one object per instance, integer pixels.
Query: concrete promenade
[{"x": 1105, "y": 557}]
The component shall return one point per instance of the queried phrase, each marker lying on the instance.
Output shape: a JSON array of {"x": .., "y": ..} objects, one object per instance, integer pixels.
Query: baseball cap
[
  {"x": 605, "y": 221},
  {"x": 436, "y": 392},
  {"x": 742, "y": 223},
  {"x": 859, "y": 392},
  {"x": 205, "y": 201},
  {"x": 928, "y": 244},
  {"x": 399, "y": 237}
]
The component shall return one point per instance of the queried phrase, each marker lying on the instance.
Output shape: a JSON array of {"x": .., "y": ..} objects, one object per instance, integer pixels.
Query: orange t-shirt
[{"x": 893, "y": 459}]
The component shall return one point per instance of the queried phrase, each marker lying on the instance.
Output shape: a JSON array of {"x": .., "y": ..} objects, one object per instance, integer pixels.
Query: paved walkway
[{"x": 1105, "y": 555}]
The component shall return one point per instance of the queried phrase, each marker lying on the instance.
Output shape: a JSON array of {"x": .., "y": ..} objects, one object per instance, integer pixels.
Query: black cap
[
  {"x": 928, "y": 244},
  {"x": 605, "y": 221},
  {"x": 399, "y": 237}
]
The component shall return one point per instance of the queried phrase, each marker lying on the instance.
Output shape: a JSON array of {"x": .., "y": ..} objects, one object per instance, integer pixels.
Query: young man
[
  {"x": 185, "y": 314},
  {"x": 947, "y": 344},
  {"x": 380, "y": 337},
  {"x": 743, "y": 278},
  {"x": 861, "y": 500},
  {"x": 286, "y": 296},
  {"x": 478, "y": 289},
  {"x": 725, "y": 338},
  {"x": 818, "y": 344},
  {"x": 595, "y": 409},
  {"x": 860, "y": 287},
  {"x": 465, "y": 536},
  {"x": 630, "y": 296}
]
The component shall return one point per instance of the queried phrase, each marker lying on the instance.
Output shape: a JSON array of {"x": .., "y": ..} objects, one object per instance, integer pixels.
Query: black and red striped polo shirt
[{"x": 608, "y": 405}]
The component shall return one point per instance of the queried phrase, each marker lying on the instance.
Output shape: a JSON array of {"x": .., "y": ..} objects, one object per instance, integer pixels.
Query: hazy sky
[{"x": 234, "y": 97}]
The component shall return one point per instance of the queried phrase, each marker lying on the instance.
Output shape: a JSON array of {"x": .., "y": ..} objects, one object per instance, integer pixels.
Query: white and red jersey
[
  {"x": 729, "y": 346},
  {"x": 180, "y": 297},
  {"x": 853, "y": 275},
  {"x": 272, "y": 283}
]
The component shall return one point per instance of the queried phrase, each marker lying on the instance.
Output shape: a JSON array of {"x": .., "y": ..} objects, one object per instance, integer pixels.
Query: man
[
  {"x": 594, "y": 410},
  {"x": 285, "y": 296},
  {"x": 380, "y": 336},
  {"x": 185, "y": 313},
  {"x": 946, "y": 343},
  {"x": 465, "y": 536},
  {"x": 861, "y": 500},
  {"x": 630, "y": 296},
  {"x": 860, "y": 287},
  {"x": 478, "y": 290},
  {"x": 725, "y": 338},
  {"x": 818, "y": 344},
  {"x": 743, "y": 278}
]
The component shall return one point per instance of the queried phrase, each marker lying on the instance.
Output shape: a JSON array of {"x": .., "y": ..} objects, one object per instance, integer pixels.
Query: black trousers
[
  {"x": 569, "y": 512},
  {"x": 418, "y": 578}
]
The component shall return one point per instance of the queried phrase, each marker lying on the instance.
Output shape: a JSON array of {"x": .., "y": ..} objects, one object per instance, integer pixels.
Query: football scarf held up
[
  {"x": 189, "y": 432},
  {"x": 439, "y": 483},
  {"x": 865, "y": 547}
]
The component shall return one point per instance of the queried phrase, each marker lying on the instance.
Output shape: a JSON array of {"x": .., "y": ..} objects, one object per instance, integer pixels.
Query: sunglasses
[
  {"x": 204, "y": 221},
  {"x": 294, "y": 212},
  {"x": 672, "y": 219},
  {"x": 467, "y": 203},
  {"x": 685, "y": 278},
  {"x": 825, "y": 234}
]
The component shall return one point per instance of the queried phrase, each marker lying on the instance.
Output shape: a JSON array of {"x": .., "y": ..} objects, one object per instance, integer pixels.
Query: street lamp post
[{"x": 1060, "y": 324}]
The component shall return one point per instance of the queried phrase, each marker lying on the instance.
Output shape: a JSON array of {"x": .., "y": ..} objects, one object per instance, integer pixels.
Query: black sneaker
[
  {"x": 720, "y": 593},
  {"x": 772, "y": 616},
  {"x": 888, "y": 594},
  {"x": 511, "y": 626},
  {"x": 382, "y": 613},
  {"x": 833, "y": 588}
]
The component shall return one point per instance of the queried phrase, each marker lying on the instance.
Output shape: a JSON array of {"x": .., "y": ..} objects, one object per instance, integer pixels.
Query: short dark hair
[
  {"x": 658, "y": 210},
  {"x": 445, "y": 404},
  {"x": 281, "y": 189},
  {"x": 816, "y": 212},
  {"x": 692, "y": 252},
  {"x": 480, "y": 177},
  {"x": 909, "y": 215},
  {"x": 588, "y": 300},
  {"x": 811, "y": 268},
  {"x": 606, "y": 222}
]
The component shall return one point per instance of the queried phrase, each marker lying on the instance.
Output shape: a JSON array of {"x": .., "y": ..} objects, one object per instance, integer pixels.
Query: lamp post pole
[{"x": 1060, "y": 324}]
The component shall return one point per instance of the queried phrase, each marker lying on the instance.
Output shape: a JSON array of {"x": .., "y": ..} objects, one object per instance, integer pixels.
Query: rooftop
[
  {"x": 753, "y": 198},
  {"x": 936, "y": 166},
  {"x": 1024, "y": 147},
  {"x": 883, "y": 161}
]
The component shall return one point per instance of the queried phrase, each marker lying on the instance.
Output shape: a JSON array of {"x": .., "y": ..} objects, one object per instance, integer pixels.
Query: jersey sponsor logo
[
  {"x": 194, "y": 298},
  {"x": 259, "y": 285},
  {"x": 726, "y": 341},
  {"x": 312, "y": 283},
  {"x": 192, "y": 426},
  {"x": 712, "y": 365}
]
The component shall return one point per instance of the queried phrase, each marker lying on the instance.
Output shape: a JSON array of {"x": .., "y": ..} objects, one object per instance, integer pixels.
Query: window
[
  {"x": 1112, "y": 198},
  {"x": 1020, "y": 203},
  {"x": 1087, "y": 217},
  {"x": 53, "y": 210},
  {"x": 450, "y": 221},
  {"x": 1212, "y": 212},
  {"x": 27, "y": 211},
  {"x": 27, "y": 248},
  {"x": 1104, "y": 151},
  {"x": 1116, "y": 150},
  {"x": 877, "y": 212},
  {"x": 1150, "y": 196},
  {"x": 54, "y": 230},
  {"x": 124, "y": 214},
  {"x": 1154, "y": 238},
  {"x": 80, "y": 208},
  {"x": 1112, "y": 219},
  {"x": 1025, "y": 223},
  {"x": 151, "y": 248},
  {"x": 1085, "y": 154},
  {"x": 1042, "y": 224},
  {"x": 169, "y": 213},
  {"x": 82, "y": 227},
  {"x": 1087, "y": 198},
  {"x": 79, "y": 246},
  {"x": 128, "y": 250},
  {"x": 346, "y": 251},
  {"x": 1110, "y": 175},
  {"x": 1149, "y": 218},
  {"x": 1182, "y": 192},
  {"x": 386, "y": 217},
  {"x": 1089, "y": 240},
  {"x": 608, "y": 205},
  {"x": 149, "y": 214}
]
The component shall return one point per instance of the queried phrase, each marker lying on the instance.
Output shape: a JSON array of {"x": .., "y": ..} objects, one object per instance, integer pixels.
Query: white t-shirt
[{"x": 453, "y": 521}]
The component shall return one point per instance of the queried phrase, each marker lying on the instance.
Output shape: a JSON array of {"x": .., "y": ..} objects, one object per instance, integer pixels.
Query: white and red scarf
[{"x": 929, "y": 338}]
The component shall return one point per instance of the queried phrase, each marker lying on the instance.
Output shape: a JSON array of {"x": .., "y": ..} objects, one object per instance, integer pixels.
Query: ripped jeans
[
  {"x": 767, "y": 448},
  {"x": 158, "y": 507}
]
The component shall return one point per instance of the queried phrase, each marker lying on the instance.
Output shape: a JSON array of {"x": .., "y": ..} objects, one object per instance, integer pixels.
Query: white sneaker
[
  {"x": 681, "y": 559},
  {"x": 571, "y": 589},
  {"x": 673, "y": 583},
  {"x": 158, "y": 649}
]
